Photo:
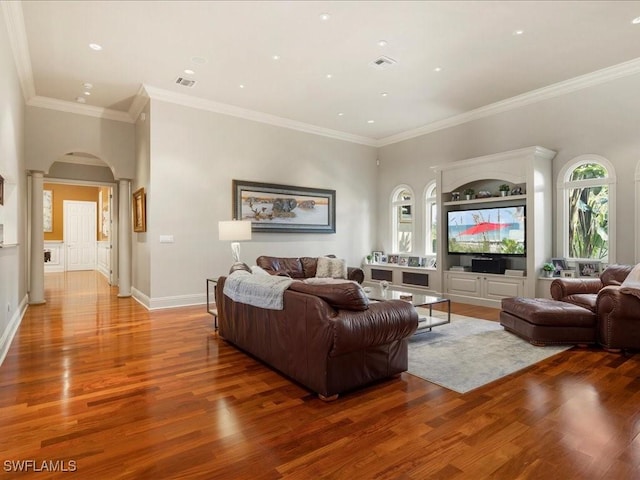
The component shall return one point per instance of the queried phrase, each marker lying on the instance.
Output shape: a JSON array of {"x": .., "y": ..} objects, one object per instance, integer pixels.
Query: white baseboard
[
  {"x": 168, "y": 302},
  {"x": 12, "y": 328}
]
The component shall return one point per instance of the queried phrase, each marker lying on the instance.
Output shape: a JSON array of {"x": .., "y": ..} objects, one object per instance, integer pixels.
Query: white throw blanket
[
  {"x": 631, "y": 284},
  {"x": 264, "y": 291}
]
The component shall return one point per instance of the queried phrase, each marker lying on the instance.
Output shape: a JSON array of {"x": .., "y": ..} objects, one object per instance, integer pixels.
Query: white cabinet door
[
  {"x": 468, "y": 285},
  {"x": 498, "y": 288}
]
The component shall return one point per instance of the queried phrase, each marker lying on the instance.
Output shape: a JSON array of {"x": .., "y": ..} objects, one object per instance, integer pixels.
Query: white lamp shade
[{"x": 234, "y": 230}]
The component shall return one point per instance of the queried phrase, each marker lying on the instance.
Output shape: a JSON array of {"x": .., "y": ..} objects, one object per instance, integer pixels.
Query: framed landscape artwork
[
  {"x": 284, "y": 208},
  {"x": 139, "y": 211}
]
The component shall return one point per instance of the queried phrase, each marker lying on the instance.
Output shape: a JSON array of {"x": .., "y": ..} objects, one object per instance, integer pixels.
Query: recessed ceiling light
[
  {"x": 382, "y": 43},
  {"x": 384, "y": 94},
  {"x": 241, "y": 86},
  {"x": 276, "y": 57},
  {"x": 636, "y": 21},
  {"x": 341, "y": 114},
  {"x": 199, "y": 60},
  {"x": 87, "y": 86},
  {"x": 325, "y": 16},
  {"x": 437, "y": 69},
  {"x": 95, "y": 46},
  {"x": 371, "y": 121},
  {"x": 87, "y": 93},
  {"x": 80, "y": 99},
  {"x": 329, "y": 75},
  {"x": 518, "y": 32},
  {"x": 188, "y": 71}
]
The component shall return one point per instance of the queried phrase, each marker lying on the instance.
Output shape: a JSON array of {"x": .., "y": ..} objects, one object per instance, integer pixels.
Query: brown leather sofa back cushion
[
  {"x": 341, "y": 296},
  {"x": 615, "y": 274},
  {"x": 281, "y": 266}
]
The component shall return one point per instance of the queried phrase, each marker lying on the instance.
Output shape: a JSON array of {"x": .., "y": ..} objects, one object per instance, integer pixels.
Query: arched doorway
[
  {"x": 79, "y": 179},
  {"x": 73, "y": 175}
]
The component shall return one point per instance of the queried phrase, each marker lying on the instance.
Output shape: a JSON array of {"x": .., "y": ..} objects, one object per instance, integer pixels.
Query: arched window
[
  {"x": 586, "y": 188},
  {"x": 402, "y": 219},
  {"x": 431, "y": 214}
]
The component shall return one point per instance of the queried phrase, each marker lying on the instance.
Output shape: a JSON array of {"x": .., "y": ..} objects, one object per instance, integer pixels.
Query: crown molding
[
  {"x": 561, "y": 88},
  {"x": 14, "y": 19},
  {"x": 211, "y": 106},
  {"x": 72, "y": 107}
]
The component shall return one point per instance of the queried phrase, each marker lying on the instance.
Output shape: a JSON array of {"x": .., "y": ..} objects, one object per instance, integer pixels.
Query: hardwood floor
[{"x": 100, "y": 385}]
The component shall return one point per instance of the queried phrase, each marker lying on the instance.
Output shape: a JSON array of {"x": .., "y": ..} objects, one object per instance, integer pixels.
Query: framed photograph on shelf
[
  {"x": 560, "y": 264},
  {"x": 589, "y": 268},
  {"x": 393, "y": 259},
  {"x": 414, "y": 262},
  {"x": 568, "y": 273},
  {"x": 403, "y": 261},
  {"x": 377, "y": 256}
]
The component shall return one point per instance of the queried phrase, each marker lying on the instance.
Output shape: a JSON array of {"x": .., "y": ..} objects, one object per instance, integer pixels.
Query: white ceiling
[{"x": 151, "y": 43}]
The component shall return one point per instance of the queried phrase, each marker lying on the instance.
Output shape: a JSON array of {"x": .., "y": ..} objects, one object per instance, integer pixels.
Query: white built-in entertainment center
[
  {"x": 528, "y": 173},
  {"x": 528, "y": 170}
]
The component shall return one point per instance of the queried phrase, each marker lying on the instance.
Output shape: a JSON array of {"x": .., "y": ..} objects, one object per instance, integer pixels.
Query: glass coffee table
[{"x": 418, "y": 300}]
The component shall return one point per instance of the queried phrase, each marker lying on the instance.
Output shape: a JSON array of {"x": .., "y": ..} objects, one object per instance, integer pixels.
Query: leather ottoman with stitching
[{"x": 543, "y": 321}]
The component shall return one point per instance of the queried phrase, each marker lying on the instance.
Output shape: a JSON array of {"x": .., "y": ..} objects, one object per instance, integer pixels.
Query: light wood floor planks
[{"x": 98, "y": 383}]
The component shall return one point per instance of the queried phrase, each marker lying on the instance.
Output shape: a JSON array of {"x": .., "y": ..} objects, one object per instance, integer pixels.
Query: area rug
[{"x": 469, "y": 353}]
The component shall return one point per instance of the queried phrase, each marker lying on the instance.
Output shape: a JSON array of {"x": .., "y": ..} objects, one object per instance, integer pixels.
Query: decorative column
[
  {"x": 124, "y": 238},
  {"x": 36, "y": 287}
]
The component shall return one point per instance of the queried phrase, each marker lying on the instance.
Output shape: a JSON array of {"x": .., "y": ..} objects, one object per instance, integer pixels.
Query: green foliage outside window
[{"x": 589, "y": 215}]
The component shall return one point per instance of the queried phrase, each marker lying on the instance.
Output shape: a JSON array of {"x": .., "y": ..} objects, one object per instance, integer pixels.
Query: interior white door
[{"x": 80, "y": 235}]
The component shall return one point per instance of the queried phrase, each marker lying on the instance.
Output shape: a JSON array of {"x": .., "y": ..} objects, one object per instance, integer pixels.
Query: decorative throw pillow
[
  {"x": 259, "y": 270},
  {"x": 631, "y": 285},
  {"x": 331, "y": 268}
]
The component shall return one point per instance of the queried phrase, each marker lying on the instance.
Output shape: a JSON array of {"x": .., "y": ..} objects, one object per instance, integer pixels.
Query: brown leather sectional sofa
[{"x": 328, "y": 337}]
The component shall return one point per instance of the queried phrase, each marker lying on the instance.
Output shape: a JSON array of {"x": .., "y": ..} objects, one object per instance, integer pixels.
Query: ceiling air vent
[
  {"x": 382, "y": 63},
  {"x": 185, "y": 82}
]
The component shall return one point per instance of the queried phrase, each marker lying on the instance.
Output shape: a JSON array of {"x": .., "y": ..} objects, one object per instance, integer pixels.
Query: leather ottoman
[{"x": 543, "y": 321}]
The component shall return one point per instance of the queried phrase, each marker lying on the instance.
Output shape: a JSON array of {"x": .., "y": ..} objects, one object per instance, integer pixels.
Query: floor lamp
[{"x": 234, "y": 231}]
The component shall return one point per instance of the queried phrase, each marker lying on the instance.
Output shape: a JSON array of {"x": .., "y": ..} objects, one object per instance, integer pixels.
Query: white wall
[
  {"x": 196, "y": 154},
  {"x": 603, "y": 120},
  {"x": 13, "y": 276},
  {"x": 53, "y": 133}
]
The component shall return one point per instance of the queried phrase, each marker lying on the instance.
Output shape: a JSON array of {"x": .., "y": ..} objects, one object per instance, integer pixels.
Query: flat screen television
[{"x": 499, "y": 231}]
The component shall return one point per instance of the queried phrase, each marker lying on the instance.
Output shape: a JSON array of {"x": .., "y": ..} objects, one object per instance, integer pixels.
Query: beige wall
[
  {"x": 140, "y": 255},
  {"x": 53, "y": 134},
  {"x": 196, "y": 154}
]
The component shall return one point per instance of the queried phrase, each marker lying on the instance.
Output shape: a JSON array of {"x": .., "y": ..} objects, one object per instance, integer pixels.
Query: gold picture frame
[
  {"x": 1, "y": 190},
  {"x": 139, "y": 210}
]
